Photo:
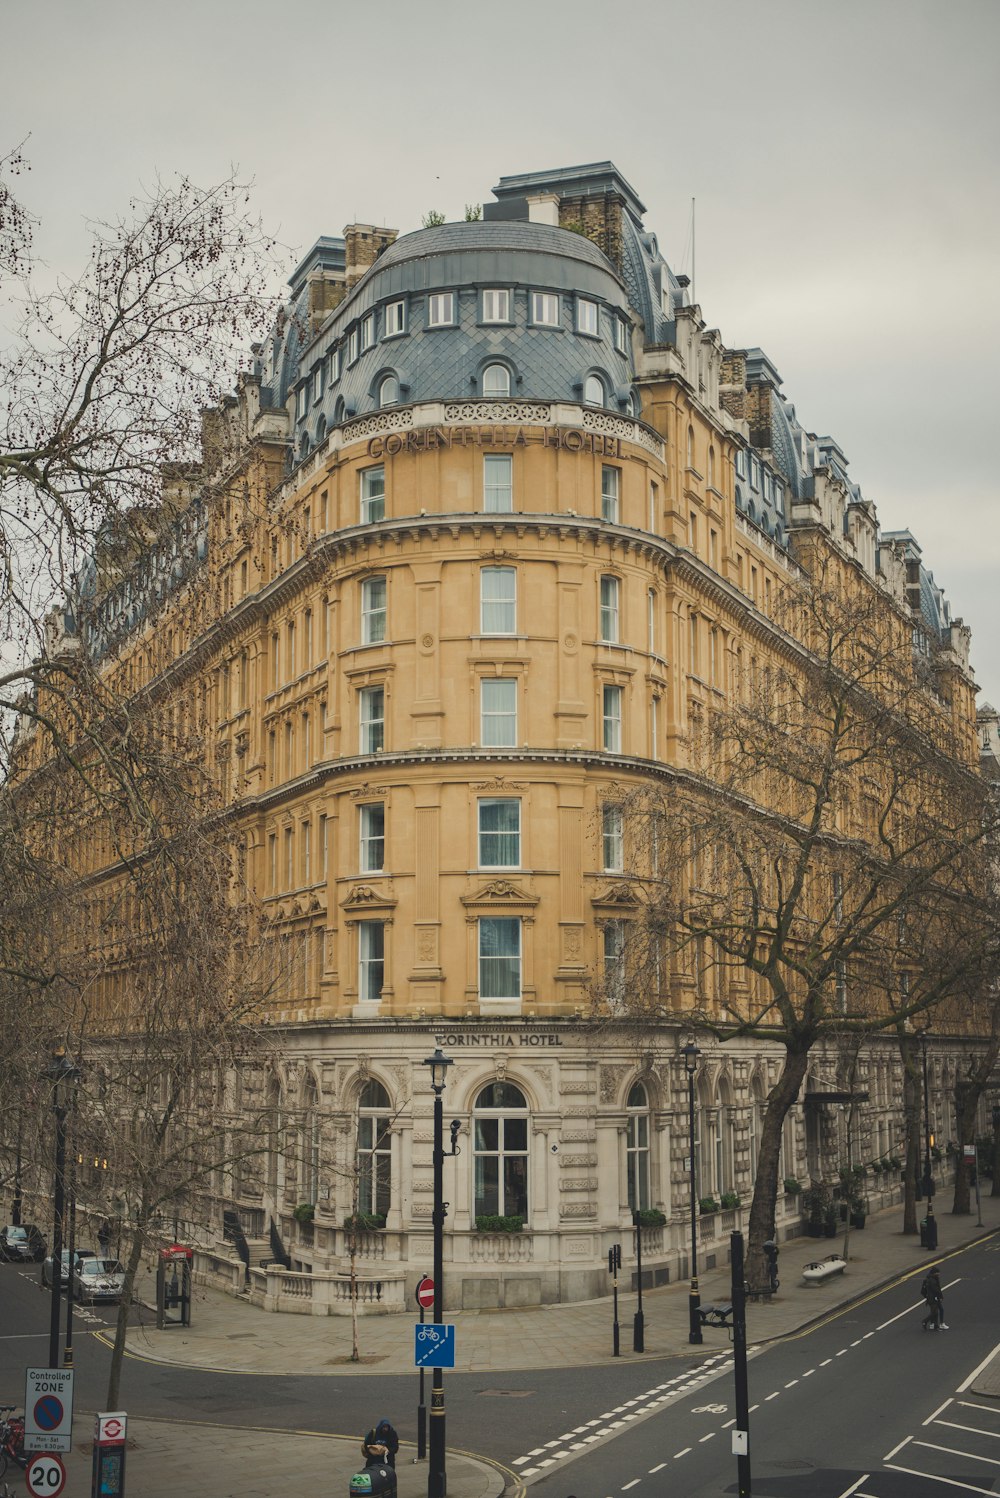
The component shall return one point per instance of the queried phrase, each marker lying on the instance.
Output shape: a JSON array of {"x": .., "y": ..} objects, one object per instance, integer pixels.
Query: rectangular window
[
  {"x": 372, "y": 859},
  {"x": 609, "y": 609},
  {"x": 289, "y": 859},
  {"x": 713, "y": 657},
  {"x": 841, "y": 986},
  {"x": 302, "y": 400},
  {"x": 754, "y": 474},
  {"x": 441, "y": 309},
  {"x": 741, "y": 463},
  {"x": 306, "y": 853},
  {"x": 713, "y": 550},
  {"x": 693, "y": 644},
  {"x": 373, "y": 610},
  {"x": 324, "y": 847},
  {"x": 611, "y": 710},
  {"x": 353, "y": 345},
  {"x": 654, "y": 506},
  {"x": 317, "y": 389},
  {"x": 372, "y": 494},
  {"x": 307, "y": 637},
  {"x": 499, "y": 957},
  {"x": 610, "y": 487},
  {"x": 614, "y": 962},
  {"x": 612, "y": 839},
  {"x": 372, "y": 718},
  {"x": 621, "y": 335},
  {"x": 838, "y": 897},
  {"x": 336, "y": 360},
  {"x": 544, "y": 309},
  {"x": 371, "y": 960},
  {"x": 306, "y": 742},
  {"x": 291, "y": 652},
  {"x": 499, "y": 834},
  {"x": 498, "y": 601},
  {"x": 496, "y": 306},
  {"x": 272, "y": 861},
  {"x": 498, "y": 483},
  {"x": 587, "y": 317},
  {"x": 367, "y": 331},
  {"x": 498, "y": 714},
  {"x": 693, "y": 529},
  {"x": 651, "y": 622},
  {"x": 395, "y": 319}
]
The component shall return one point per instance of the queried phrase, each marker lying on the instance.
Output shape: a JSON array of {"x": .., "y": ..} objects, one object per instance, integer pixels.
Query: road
[{"x": 865, "y": 1404}]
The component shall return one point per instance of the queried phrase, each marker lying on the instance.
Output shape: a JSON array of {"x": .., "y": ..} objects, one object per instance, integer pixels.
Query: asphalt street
[{"x": 862, "y": 1403}]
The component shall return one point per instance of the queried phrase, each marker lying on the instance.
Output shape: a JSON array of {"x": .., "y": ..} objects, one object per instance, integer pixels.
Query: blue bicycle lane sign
[{"x": 434, "y": 1345}]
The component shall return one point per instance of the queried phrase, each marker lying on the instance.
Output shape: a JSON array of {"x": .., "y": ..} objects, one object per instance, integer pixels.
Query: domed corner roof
[
  {"x": 503, "y": 234},
  {"x": 784, "y": 448}
]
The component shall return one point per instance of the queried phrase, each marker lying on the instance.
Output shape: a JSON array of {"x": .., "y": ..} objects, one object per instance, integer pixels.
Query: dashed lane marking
[
  {"x": 679, "y": 1454},
  {"x": 633, "y": 1484},
  {"x": 658, "y": 1468}
]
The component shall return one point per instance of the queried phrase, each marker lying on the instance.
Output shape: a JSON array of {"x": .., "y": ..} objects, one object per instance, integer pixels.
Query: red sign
[
  {"x": 45, "y": 1476},
  {"x": 425, "y": 1293}
]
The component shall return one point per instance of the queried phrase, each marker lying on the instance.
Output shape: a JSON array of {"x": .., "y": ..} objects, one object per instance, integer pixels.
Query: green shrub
[
  {"x": 491, "y": 1223},
  {"x": 364, "y": 1222},
  {"x": 792, "y": 1186},
  {"x": 649, "y": 1217},
  {"x": 707, "y": 1205},
  {"x": 304, "y": 1212},
  {"x": 730, "y": 1199}
]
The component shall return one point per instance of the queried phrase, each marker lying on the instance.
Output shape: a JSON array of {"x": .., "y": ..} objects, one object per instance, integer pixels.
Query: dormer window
[
  {"x": 593, "y": 391},
  {"x": 441, "y": 309},
  {"x": 496, "y": 382}
]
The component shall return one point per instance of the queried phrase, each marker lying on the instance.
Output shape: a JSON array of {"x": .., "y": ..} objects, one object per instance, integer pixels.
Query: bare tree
[{"x": 829, "y": 806}]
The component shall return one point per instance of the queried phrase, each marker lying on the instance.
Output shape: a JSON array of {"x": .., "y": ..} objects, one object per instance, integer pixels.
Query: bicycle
[{"x": 11, "y": 1439}]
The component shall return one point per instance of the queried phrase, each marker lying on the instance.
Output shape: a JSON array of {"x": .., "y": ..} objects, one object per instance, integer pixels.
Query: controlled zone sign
[
  {"x": 48, "y": 1409},
  {"x": 434, "y": 1345},
  {"x": 45, "y": 1477}
]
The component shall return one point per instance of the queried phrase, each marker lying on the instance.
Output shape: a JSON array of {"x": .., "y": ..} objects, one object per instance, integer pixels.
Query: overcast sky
[{"x": 843, "y": 153}]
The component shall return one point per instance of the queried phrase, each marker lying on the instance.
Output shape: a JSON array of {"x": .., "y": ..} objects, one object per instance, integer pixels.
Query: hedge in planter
[
  {"x": 707, "y": 1205},
  {"x": 649, "y": 1217},
  {"x": 364, "y": 1222},
  {"x": 491, "y": 1223}
]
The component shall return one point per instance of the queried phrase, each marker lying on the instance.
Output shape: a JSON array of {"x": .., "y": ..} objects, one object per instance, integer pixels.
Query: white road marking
[
  {"x": 967, "y": 1404},
  {"x": 678, "y": 1454},
  {"x": 825, "y": 1361},
  {"x": 950, "y": 1482},
  {"x": 994, "y": 1435},
  {"x": 905, "y": 1442},
  {"x": 854, "y": 1486},
  {"x": 840, "y": 1354},
  {"x": 988, "y": 1461},
  {"x": 728, "y": 1424},
  {"x": 916, "y": 1307},
  {"x": 772, "y": 1396},
  {"x": 752, "y": 1408},
  {"x": 657, "y": 1469},
  {"x": 709, "y": 1437},
  {"x": 633, "y": 1484},
  {"x": 809, "y": 1373},
  {"x": 792, "y": 1384},
  {"x": 867, "y": 1335},
  {"x": 937, "y": 1412}
]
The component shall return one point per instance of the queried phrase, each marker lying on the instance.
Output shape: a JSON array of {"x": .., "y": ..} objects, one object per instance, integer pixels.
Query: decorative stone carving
[
  {"x": 577, "y": 1210},
  {"x": 617, "y": 895},
  {"x": 577, "y": 1162},
  {"x": 578, "y": 1248},
  {"x": 582, "y": 1183},
  {"x": 501, "y": 892},
  {"x": 367, "y": 897},
  {"x": 426, "y": 943},
  {"x": 499, "y": 783},
  {"x": 370, "y": 426},
  {"x": 587, "y": 1088},
  {"x": 495, "y": 413},
  {"x": 368, "y": 792},
  {"x": 611, "y": 1080},
  {"x": 620, "y": 426},
  {"x": 501, "y": 1068}
]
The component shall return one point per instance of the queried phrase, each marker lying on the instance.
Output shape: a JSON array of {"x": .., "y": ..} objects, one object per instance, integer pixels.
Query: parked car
[
  {"x": 23, "y": 1243},
  {"x": 78, "y": 1255},
  {"x": 98, "y": 1279}
]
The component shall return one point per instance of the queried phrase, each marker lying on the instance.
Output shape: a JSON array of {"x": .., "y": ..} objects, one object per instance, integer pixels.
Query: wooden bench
[
  {"x": 823, "y": 1269},
  {"x": 720, "y": 1315}
]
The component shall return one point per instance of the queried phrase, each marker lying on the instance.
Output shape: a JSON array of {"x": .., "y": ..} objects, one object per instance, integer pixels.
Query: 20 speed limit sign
[{"x": 46, "y": 1476}]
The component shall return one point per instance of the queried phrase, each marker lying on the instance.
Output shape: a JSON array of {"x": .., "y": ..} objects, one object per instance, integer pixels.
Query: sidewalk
[{"x": 231, "y": 1335}]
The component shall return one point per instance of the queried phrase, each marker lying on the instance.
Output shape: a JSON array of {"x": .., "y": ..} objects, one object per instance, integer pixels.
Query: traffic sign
[
  {"x": 434, "y": 1345},
  {"x": 425, "y": 1293},
  {"x": 48, "y": 1409},
  {"x": 45, "y": 1477}
]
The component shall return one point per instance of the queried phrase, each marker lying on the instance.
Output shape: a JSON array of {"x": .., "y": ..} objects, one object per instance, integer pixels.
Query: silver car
[
  {"x": 79, "y": 1255},
  {"x": 98, "y": 1279}
]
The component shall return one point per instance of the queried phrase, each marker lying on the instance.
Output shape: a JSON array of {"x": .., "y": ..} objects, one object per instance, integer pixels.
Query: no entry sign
[{"x": 425, "y": 1293}]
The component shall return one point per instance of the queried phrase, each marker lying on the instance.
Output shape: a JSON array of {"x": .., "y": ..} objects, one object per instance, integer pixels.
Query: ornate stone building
[{"x": 481, "y": 535}]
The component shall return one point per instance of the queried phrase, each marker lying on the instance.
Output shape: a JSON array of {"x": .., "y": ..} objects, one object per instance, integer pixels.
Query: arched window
[
  {"x": 500, "y": 1139},
  {"x": 338, "y": 410},
  {"x": 321, "y": 431},
  {"x": 711, "y": 465},
  {"x": 593, "y": 391},
  {"x": 374, "y": 1162},
  {"x": 388, "y": 392},
  {"x": 496, "y": 382},
  {"x": 637, "y": 1148},
  {"x": 304, "y": 446}
]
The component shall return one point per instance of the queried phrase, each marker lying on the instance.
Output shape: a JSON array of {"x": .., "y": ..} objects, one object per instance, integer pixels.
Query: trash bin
[
  {"x": 374, "y": 1482},
  {"x": 928, "y": 1233}
]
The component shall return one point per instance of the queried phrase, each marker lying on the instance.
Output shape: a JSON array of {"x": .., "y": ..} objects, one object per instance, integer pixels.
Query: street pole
[
  {"x": 741, "y": 1433},
  {"x": 437, "y": 1477},
  {"x": 15, "y": 1206},
  {"x": 639, "y": 1320},
  {"x": 68, "y": 1349},
  {"x": 58, "y": 1207},
  {"x": 932, "y": 1237},
  {"x": 614, "y": 1264},
  {"x": 421, "y": 1411},
  {"x": 690, "y": 1052}
]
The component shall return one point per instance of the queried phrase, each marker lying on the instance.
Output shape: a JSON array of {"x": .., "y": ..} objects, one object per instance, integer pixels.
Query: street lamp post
[
  {"x": 59, "y": 1070},
  {"x": 691, "y": 1052},
  {"x": 437, "y": 1477}
]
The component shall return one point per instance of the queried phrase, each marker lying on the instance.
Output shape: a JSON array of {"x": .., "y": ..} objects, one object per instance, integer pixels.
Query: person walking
[
  {"x": 104, "y": 1238},
  {"x": 934, "y": 1296}
]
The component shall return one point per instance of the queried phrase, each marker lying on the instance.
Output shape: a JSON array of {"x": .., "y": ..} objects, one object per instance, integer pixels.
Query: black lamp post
[
  {"x": 59, "y": 1071},
  {"x": 437, "y": 1477},
  {"x": 928, "y": 1142},
  {"x": 691, "y": 1052}
]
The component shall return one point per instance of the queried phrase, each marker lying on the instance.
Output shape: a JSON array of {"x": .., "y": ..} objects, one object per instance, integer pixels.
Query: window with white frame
[
  {"x": 637, "y": 1148},
  {"x": 372, "y": 818},
  {"x": 498, "y": 600},
  {"x": 498, "y": 483},
  {"x": 499, "y": 957},
  {"x": 317, "y": 382},
  {"x": 499, "y": 833},
  {"x": 496, "y": 305},
  {"x": 741, "y": 463},
  {"x": 544, "y": 309},
  {"x": 610, "y": 490},
  {"x": 610, "y": 593},
  {"x": 395, "y": 319},
  {"x": 587, "y": 317},
  {"x": 498, "y": 714},
  {"x": 367, "y": 331},
  {"x": 388, "y": 392},
  {"x": 614, "y": 962},
  {"x": 612, "y": 839},
  {"x": 372, "y": 494},
  {"x": 336, "y": 360},
  {"x": 373, "y": 610},
  {"x": 611, "y": 712},
  {"x": 593, "y": 391},
  {"x": 496, "y": 382},
  {"x": 302, "y": 400},
  {"x": 500, "y": 1152},
  {"x": 374, "y": 1150},
  {"x": 353, "y": 345},
  {"x": 371, "y": 960},
  {"x": 621, "y": 335},
  {"x": 441, "y": 309},
  {"x": 372, "y": 719}
]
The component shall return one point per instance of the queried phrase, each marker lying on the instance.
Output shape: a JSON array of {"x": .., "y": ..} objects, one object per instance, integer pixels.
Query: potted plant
[
  {"x": 792, "y": 1186},
  {"x": 650, "y": 1217},
  {"x": 815, "y": 1201},
  {"x": 830, "y": 1222},
  {"x": 707, "y": 1205},
  {"x": 304, "y": 1213},
  {"x": 730, "y": 1200},
  {"x": 859, "y": 1211}
]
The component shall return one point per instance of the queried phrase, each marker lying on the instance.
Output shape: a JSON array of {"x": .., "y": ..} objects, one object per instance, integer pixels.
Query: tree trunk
[
  {"x": 911, "y": 1124},
  {"x": 121, "y": 1324},
  {"x": 765, "y": 1193}
]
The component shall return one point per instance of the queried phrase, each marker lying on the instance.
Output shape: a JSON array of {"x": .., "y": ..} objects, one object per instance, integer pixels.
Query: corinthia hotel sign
[
  {"x": 492, "y": 1040},
  {"x": 426, "y": 438}
]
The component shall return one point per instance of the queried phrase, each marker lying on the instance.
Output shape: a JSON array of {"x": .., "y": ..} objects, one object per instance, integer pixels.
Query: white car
[{"x": 98, "y": 1279}]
